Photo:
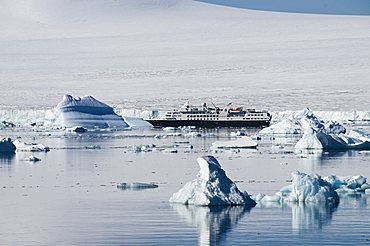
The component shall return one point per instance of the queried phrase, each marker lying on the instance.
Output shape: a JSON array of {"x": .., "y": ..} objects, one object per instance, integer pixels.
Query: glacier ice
[
  {"x": 7, "y": 146},
  {"x": 243, "y": 142},
  {"x": 88, "y": 112},
  {"x": 211, "y": 187},
  {"x": 319, "y": 139},
  {"x": 304, "y": 189},
  {"x": 300, "y": 121},
  {"x": 316, "y": 189}
]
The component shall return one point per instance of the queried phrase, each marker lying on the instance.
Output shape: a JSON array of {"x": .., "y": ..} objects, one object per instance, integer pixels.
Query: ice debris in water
[
  {"x": 304, "y": 188},
  {"x": 303, "y": 120},
  {"x": 136, "y": 186},
  {"x": 32, "y": 158},
  {"x": 350, "y": 184},
  {"x": 30, "y": 147},
  {"x": 319, "y": 139},
  {"x": 243, "y": 142},
  {"x": 238, "y": 133},
  {"x": 88, "y": 112},
  {"x": 307, "y": 188},
  {"x": 7, "y": 146},
  {"x": 211, "y": 187}
]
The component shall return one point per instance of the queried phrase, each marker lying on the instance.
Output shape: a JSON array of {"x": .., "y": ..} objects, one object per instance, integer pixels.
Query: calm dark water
[{"x": 70, "y": 197}]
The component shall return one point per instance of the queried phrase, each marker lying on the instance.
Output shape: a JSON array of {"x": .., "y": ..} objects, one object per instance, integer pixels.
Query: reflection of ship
[{"x": 213, "y": 117}]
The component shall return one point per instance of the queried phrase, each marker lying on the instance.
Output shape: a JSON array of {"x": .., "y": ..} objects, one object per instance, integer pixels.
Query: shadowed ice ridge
[
  {"x": 211, "y": 187},
  {"x": 213, "y": 223},
  {"x": 333, "y": 7},
  {"x": 88, "y": 112}
]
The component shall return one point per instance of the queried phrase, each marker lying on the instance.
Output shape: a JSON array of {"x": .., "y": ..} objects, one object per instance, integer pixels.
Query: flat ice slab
[
  {"x": 88, "y": 112},
  {"x": 243, "y": 142},
  {"x": 136, "y": 186},
  {"x": 32, "y": 147},
  {"x": 211, "y": 187}
]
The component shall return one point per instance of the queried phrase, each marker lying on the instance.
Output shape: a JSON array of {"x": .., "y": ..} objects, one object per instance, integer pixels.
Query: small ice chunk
[
  {"x": 32, "y": 158},
  {"x": 192, "y": 134},
  {"x": 136, "y": 186},
  {"x": 243, "y": 142},
  {"x": 211, "y": 187},
  {"x": 77, "y": 129},
  {"x": 7, "y": 146}
]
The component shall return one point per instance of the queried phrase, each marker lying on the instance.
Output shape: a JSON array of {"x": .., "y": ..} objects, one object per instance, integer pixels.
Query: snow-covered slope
[{"x": 153, "y": 52}]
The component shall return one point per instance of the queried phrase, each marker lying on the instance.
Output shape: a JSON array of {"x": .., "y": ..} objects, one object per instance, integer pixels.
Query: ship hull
[{"x": 208, "y": 124}]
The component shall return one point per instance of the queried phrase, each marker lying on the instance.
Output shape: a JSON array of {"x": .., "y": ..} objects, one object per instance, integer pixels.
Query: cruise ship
[{"x": 211, "y": 117}]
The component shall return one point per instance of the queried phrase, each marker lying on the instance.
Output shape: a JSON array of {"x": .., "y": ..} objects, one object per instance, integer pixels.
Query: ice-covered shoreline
[{"x": 47, "y": 116}]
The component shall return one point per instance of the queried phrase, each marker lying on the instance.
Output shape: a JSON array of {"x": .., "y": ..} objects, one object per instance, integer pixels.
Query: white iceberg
[
  {"x": 211, "y": 187},
  {"x": 32, "y": 158},
  {"x": 242, "y": 143},
  {"x": 32, "y": 147},
  {"x": 349, "y": 184},
  {"x": 88, "y": 112},
  {"x": 304, "y": 189},
  {"x": 303, "y": 120},
  {"x": 7, "y": 146},
  {"x": 313, "y": 139},
  {"x": 286, "y": 126}
]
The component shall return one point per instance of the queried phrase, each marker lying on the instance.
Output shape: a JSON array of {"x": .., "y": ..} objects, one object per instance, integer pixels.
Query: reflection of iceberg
[
  {"x": 88, "y": 112},
  {"x": 213, "y": 223},
  {"x": 307, "y": 216}
]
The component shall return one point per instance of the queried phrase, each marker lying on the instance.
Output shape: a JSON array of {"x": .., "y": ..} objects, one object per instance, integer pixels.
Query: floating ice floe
[
  {"x": 304, "y": 188},
  {"x": 88, "y": 112},
  {"x": 211, "y": 187},
  {"x": 350, "y": 184},
  {"x": 300, "y": 121},
  {"x": 32, "y": 158},
  {"x": 240, "y": 143},
  {"x": 136, "y": 186},
  {"x": 32, "y": 147},
  {"x": 7, "y": 146},
  {"x": 77, "y": 129},
  {"x": 319, "y": 139}
]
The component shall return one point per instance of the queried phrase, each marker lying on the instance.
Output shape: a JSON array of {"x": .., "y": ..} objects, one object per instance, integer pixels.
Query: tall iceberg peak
[
  {"x": 211, "y": 187},
  {"x": 88, "y": 112}
]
